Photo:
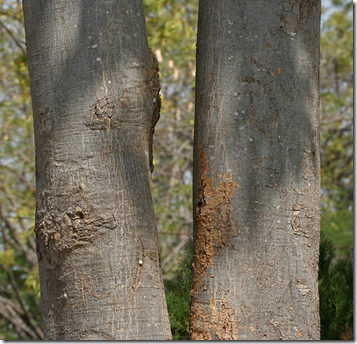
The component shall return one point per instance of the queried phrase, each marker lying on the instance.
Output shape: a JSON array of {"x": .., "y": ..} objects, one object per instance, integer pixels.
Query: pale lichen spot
[{"x": 303, "y": 288}]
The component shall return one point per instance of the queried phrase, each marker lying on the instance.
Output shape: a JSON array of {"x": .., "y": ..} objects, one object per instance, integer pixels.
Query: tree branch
[
  {"x": 26, "y": 314},
  {"x": 29, "y": 255},
  {"x": 17, "y": 42}
]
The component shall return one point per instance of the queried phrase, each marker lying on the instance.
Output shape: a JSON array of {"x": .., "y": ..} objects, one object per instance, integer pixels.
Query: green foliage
[
  {"x": 337, "y": 126},
  {"x": 336, "y": 294},
  {"x": 178, "y": 296},
  {"x": 32, "y": 283},
  {"x": 20, "y": 312},
  {"x": 338, "y": 227}
]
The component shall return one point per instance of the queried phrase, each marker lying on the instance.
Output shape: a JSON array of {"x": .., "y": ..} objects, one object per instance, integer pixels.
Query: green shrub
[
  {"x": 336, "y": 294},
  {"x": 178, "y": 296}
]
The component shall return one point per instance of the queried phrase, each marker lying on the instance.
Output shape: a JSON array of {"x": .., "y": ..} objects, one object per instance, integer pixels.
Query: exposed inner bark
[{"x": 215, "y": 229}]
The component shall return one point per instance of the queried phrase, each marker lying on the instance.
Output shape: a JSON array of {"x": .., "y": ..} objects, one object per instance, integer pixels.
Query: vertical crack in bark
[{"x": 155, "y": 91}]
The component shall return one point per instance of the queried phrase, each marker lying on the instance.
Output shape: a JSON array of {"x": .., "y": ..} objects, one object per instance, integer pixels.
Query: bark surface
[
  {"x": 95, "y": 93},
  {"x": 257, "y": 171}
]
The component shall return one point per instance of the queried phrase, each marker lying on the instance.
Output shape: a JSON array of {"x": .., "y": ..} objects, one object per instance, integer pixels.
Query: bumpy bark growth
[
  {"x": 95, "y": 93},
  {"x": 256, "y": 171}
]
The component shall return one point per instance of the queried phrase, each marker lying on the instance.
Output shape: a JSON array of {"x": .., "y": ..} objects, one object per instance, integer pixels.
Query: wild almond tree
[
  {"x": 256, "y": 171},
  {"x": 95, "y": 93}
]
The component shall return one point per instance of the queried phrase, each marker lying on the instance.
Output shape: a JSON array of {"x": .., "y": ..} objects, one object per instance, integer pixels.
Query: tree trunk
[
  {"x": 257, "y": 171},
  {"x": 95, "y": 87}
]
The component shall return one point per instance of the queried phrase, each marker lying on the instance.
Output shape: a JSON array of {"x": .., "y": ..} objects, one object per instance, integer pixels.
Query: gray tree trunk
[
  {"x": 94, "y": 86},
  {"x": 257, "y": 171}
]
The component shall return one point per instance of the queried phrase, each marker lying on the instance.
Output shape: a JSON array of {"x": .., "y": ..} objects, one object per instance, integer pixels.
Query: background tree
[
  {"x": 256, "y": 171},
  {"x": 95, "y": 96}
]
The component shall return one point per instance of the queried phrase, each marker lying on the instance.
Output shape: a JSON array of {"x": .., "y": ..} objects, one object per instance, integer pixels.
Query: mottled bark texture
[
  {"x": 94, "y": 86},
  {"x": 256, "y": 171}
]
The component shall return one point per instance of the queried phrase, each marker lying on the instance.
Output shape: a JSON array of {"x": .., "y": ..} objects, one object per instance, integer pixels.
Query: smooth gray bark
[
  {"x": 257, "y": 171},
  {"x": 94, "y": 87}
]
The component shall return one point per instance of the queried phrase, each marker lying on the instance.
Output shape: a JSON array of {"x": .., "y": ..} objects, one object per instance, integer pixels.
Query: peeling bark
[
  {"x": 256, "y": 171},
  {"x": 95, "y": 92}
]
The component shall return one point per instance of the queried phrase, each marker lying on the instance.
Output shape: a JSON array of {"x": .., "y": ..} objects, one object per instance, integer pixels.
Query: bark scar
[{"x": 215, "y": 230}]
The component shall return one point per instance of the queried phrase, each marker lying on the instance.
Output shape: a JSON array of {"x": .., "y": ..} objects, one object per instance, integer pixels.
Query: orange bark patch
[
  {"x": 215, "y": 225},
  {"x": 215, "y": 229},
  {"x": 226, "y": 327}
]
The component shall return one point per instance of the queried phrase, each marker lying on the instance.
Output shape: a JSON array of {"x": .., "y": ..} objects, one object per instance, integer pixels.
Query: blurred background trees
[
  {"x": 171, "y": 26},
  {"x": 337, "y": 125}
]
